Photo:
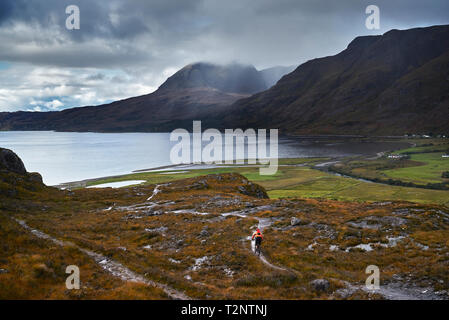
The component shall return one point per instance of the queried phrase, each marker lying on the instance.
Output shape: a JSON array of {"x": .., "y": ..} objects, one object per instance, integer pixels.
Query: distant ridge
[
  {"x": 235, "y": 78},
  {"x": 197, "y": 91},
  {"x": 390, "y": 84}
]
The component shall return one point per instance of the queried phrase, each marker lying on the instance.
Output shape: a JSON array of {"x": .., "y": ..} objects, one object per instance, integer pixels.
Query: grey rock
[
  {"x": 253, "y": 190},
  {"x": 159, "y": 230},
  {"x": 295, "y": 221},
  {"x": 36, "y": 177},
  {"x": 345, "y": 293},
  {"x": 200, "y": 185},
  {"x": 9, "y": 161},
  {"x": 179, "y": 243},
  {"x": 320, "y": 284},
  {"x": 204, "y": 233},
  {"x": 377, "y": 222}
]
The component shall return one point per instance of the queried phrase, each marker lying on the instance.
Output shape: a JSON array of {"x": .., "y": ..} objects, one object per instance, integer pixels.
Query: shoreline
[
  {"x": 83, "y": 183},
  {"x": 175, "y": 167}
]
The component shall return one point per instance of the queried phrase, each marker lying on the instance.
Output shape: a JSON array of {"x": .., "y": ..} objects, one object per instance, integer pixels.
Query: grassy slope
[
  {"x": 430, "y": 172},
  {"x": 315, "y": 184},
  {"x": 36, "y": 270},
  {"x": 425, "y": 165},
  {"x": 80, "y": 217},
  {"x": 304, "y": 182}
]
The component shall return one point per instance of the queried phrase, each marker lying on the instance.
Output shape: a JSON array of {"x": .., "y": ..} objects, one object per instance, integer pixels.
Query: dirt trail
[
  {"x": 156, "y": 191},
  {"x": 262, "y": 224},
  {"x": 393, "y": 291},
  {"x": 113, "y": 267}
]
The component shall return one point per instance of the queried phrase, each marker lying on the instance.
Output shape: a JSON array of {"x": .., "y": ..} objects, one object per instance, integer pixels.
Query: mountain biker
[{"x": 258, "y": 236}]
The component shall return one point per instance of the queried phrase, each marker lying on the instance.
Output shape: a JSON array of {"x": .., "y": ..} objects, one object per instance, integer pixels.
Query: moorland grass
[
  {"x": 430, "y": 170},
  {"x": 305, "y": 182}
]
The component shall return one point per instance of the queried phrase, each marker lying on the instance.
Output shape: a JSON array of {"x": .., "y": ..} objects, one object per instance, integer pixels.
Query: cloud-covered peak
[
  {"x": 233, "y": 78},
  {"x": 135, "y": 45}
]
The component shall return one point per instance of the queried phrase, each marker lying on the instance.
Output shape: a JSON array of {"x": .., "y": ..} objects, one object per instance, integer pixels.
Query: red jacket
[{"x": 257, "y": 235}]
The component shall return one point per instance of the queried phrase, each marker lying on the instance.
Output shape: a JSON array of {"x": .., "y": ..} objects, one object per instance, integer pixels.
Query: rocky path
[
  {"x": 156, "y": 191},
  {"x": 398, "y": 291},
  {"x": 262, "y": 224},
  {"x": 393, "y": 291},
  {"x": 113, "y": 267}
]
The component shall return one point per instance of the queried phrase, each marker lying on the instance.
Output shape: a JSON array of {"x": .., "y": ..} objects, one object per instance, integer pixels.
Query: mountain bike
[{"x": 257, "y": 247}]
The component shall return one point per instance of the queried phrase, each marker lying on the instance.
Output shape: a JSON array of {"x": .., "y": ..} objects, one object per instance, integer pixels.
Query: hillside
[
  {"x": 240, "y": 79},
  {"x": 188, "y": 238},
  {"x": 159, "y": 111},
  {"x": 391, "y": 84},
  {"x": 197, "y": 91}
]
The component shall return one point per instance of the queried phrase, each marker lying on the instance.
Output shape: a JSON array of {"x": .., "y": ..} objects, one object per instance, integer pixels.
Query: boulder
[
  {"x": 253, "y": 190},
  {"x": 200, "y": 185},
  {"x": 295, "y": 221},
  {"x": 9, "y": 161},
  {"x": 204, "y": 233},
  {"x": 320, "y": 285},
  {"x": 179, "y": 243},
  {"x": 36, "y": 177}
]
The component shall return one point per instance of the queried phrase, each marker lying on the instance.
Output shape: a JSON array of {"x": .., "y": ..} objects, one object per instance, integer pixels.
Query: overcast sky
[{"x": 127, "y": 48}]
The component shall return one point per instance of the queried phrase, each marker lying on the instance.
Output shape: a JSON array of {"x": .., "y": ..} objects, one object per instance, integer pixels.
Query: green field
[
  {"x": 429, "y": 172},
  {"x": 423, "y": 167},
  {"x": 305, "y": 182},
  {"x": 433, "y": 146}
]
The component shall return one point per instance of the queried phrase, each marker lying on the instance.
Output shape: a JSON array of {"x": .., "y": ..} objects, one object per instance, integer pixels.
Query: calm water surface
[{"x": 67, "y": 156}]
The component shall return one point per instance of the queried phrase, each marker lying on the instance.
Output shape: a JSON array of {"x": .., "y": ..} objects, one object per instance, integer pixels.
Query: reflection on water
[{"x": 68, "y": 156}]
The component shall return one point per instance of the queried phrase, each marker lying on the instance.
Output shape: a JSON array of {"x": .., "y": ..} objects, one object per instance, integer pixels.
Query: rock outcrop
[
  {"x": 15, "y": 181},
  {"x": 320, "y": 285},
  {"x": 9, "y": 161},
  {"x": 390, "y": 84}
]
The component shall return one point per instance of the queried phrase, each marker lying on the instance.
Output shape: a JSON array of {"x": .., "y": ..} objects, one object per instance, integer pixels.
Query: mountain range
[
  {"x": 197, "y": 91},
  {"x": 390, "y": 84}
]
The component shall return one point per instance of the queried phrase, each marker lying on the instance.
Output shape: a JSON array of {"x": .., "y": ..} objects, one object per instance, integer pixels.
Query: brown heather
[{"x": 164, "y": 238}]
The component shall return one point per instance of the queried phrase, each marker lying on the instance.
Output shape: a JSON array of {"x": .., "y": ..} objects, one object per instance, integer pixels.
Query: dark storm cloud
[
  {"x": 137, "y": 31},
  {"x": 139, "y": 43},
  {"x": 113, "y": 33},
  {"x": 95, "y": 17},
  {"x": 6, "y": 9}
]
